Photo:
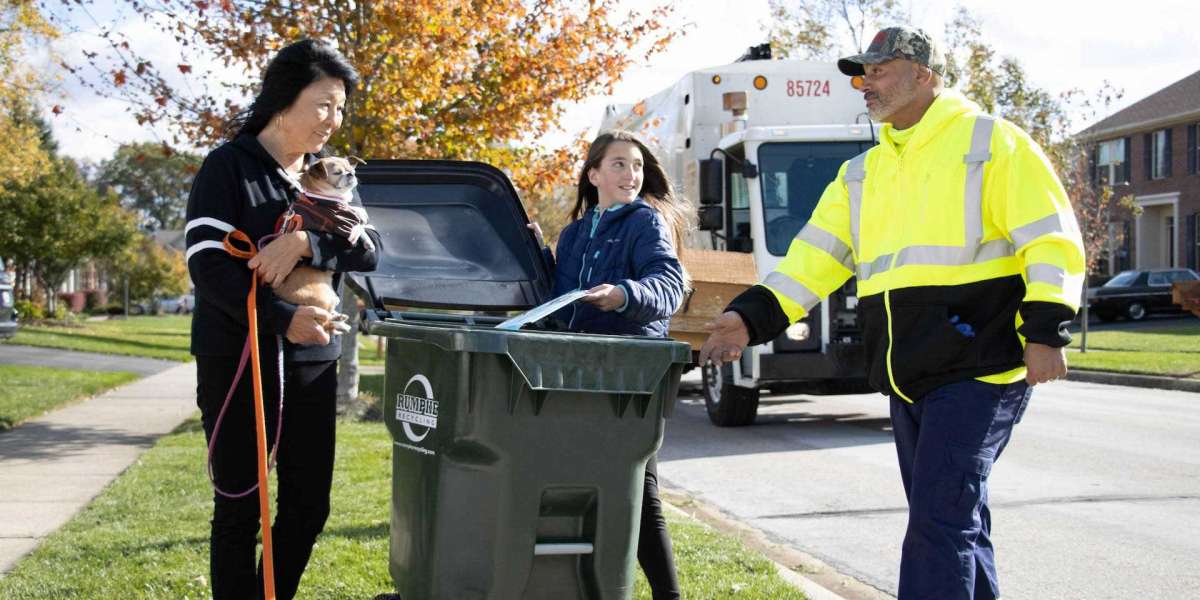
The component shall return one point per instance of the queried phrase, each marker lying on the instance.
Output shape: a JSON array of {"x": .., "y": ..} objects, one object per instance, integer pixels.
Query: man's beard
[{"x": 886, "y": 106}]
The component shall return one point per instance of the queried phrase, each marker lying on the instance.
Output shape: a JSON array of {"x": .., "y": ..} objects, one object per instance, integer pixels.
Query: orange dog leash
[{"x": 260, "y": 427}]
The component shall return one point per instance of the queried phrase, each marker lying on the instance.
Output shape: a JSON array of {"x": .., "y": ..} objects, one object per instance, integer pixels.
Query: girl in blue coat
[{"x": 620, "y": 247}]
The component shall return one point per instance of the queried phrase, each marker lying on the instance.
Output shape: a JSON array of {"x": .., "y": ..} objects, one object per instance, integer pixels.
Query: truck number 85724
[{"x": 808, "y": 87}]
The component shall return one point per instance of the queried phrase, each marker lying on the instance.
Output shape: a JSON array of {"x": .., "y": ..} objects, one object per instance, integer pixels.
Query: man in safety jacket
[{"x": 970, "y": 267}]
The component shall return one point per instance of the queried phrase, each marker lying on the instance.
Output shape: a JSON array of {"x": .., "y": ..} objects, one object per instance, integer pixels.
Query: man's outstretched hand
[{"x": 727, "y": 337}]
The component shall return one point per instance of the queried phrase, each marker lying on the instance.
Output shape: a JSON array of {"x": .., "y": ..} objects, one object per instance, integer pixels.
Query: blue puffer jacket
[{"x": 627, "y": 245}]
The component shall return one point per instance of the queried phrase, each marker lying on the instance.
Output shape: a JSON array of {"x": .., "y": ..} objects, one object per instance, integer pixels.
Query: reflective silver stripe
[
  {"x": 937, "y": 255},
  {"x": 856, "y": 173},
  {"x": 1031, "y": 231},
  {"x": 1045, "y": 273},
  {"x": 207, "y": 221},
  {"x": 206, "y": 245},
  {"x": 794, "y": 290},
  {"x": 979, "y": 153},
  {"x": 879, "y": 265},
  {"x": 827, "y": 242}
]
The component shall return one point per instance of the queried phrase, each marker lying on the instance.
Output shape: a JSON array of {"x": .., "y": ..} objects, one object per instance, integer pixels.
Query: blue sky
[{"x": 1138, "y": 46}]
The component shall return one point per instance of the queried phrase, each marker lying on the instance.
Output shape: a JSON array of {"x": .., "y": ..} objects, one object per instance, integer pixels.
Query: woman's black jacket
[{"x": 241, "y": 186}]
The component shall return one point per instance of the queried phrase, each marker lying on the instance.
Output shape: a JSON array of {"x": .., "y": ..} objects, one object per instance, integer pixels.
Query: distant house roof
[
  {"x": 1177, "y": 101},
  {"x": 171, "y": 238}
]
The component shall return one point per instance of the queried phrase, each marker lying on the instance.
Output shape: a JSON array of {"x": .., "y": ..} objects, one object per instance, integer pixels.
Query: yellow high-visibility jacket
[{"x": 964, "y": 245}]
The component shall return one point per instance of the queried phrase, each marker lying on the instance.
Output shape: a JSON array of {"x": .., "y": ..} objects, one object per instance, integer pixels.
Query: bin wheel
[{"x": 728, "y": 405}]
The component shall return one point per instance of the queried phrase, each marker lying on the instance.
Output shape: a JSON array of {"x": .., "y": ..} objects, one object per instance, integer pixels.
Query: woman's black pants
[
  {"x": 304, "y": 469},
  {"x": 654, "y": 543}
]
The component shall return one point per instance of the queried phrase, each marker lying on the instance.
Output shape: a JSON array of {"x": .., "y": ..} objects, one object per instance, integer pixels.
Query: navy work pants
[{"x": 947, "y": 442}]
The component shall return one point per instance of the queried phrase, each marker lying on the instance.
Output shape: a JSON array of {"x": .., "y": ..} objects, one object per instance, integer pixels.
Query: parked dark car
[{"x": 1135, "y": 294}]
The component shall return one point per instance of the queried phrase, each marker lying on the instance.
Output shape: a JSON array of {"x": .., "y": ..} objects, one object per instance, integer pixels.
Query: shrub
[{"x": 29, "y": 310}]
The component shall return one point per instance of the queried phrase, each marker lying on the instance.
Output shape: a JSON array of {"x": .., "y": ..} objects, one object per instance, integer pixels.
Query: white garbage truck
[{"x": 753, "y": 144}]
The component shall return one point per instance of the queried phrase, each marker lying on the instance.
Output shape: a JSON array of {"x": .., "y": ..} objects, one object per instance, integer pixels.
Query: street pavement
[
  {"x": 1097, "y": 496},
  {"x": 52, "y": 466}
]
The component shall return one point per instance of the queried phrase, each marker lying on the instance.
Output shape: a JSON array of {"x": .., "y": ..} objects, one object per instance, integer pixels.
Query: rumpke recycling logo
[{"x": 417, "y": 412}]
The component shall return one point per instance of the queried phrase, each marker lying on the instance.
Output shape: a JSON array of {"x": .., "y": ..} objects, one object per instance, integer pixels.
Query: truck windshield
[{"x": 793, "y": 176}]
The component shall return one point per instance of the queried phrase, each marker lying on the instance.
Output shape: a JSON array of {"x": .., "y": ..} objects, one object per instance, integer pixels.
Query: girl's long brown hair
[{"x": 656, "y": 188}]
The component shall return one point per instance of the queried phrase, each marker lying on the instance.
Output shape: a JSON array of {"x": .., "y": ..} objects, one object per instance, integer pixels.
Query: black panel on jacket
[
  {"x": 760, "y": 310},
  {"x": 942, "y": 334},
  {"x": 1046, "y": 323}
]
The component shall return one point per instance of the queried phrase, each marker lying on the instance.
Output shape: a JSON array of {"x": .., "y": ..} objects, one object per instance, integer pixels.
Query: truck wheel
[
  {"x": 728, "y": 405},
  {"x": 1136, "y": 311}
]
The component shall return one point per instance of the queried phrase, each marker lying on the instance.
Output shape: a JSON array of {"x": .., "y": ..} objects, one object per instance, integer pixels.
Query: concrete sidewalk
[{"x": 52, "y": 466}]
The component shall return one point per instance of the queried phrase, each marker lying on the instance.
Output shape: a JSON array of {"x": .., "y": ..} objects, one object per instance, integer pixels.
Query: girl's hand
[
  {"x": 276, "y": 260},
  {"x": 606, "y": 297},
  {"x": 537, "y": 232}
]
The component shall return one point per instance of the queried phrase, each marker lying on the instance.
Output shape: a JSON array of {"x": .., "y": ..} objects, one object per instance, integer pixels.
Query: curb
[
  {"x": 1128, "y": 379},
  {"x": 812, "y": 576}
]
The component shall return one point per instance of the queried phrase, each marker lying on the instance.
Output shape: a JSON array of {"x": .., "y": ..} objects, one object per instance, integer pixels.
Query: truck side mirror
[
  {"x": 712, "y": 176},
  {"x": 712, "y": 218}
]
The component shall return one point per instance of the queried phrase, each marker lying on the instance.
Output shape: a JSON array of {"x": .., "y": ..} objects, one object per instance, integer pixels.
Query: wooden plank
[
  {"x": 717, "y": 278},
  {"x": 1183, "y": 293},
  {"x": 719, "y": 266}
]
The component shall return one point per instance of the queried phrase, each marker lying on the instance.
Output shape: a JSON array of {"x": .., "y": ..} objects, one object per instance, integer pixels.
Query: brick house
[{"x": 1151, "y": 149}]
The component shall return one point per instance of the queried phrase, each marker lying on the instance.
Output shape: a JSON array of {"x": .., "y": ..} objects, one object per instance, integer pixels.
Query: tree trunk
[{"x": 347, "y": 385}]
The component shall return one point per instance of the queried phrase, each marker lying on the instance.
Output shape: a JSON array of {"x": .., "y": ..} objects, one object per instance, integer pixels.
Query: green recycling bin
[{"x": 518, "y": 456}]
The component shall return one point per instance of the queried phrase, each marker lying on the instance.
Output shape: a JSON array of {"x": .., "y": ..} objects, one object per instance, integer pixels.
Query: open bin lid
[{"x": 454, "y": 236}]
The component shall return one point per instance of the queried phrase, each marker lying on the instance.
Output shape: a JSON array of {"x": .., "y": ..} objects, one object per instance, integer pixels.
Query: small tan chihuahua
[{"x": 324, "y": 206}]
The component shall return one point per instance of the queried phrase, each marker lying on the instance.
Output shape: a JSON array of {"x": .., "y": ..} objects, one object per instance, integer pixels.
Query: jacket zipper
[
  {"x": 887, "y": 308},
  {"x": 586, "y": 250}
]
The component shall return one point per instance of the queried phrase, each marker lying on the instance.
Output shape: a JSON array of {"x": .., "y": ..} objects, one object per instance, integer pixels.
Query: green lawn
[
  {"x": 1172, "y": 349},
  {"x": 28, "y": 392},
  {"x": 370, "y": 351},
  {"x": 146, "y": 536},
  {"x": 167, "y": 337}
]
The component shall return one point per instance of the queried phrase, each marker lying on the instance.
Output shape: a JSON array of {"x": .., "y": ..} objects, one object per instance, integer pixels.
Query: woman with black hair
[{"x": 247, "y": 184}]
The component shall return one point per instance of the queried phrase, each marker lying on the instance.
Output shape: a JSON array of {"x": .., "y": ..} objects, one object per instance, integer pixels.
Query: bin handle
[{"x": 557, "y": 549}]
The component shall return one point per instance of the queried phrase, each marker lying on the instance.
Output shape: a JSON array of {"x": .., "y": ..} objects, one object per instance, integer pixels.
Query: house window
[
  {"x": 1110, "y": 162},
  {"x": 1158, "y": 154}
]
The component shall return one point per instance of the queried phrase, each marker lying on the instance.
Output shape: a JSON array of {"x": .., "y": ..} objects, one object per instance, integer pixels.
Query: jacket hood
[{"x": 948, "y": 105}]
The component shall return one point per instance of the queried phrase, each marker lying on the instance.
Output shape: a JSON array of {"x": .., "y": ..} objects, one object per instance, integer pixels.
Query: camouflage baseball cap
[{"x": 897, "y": 42}]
